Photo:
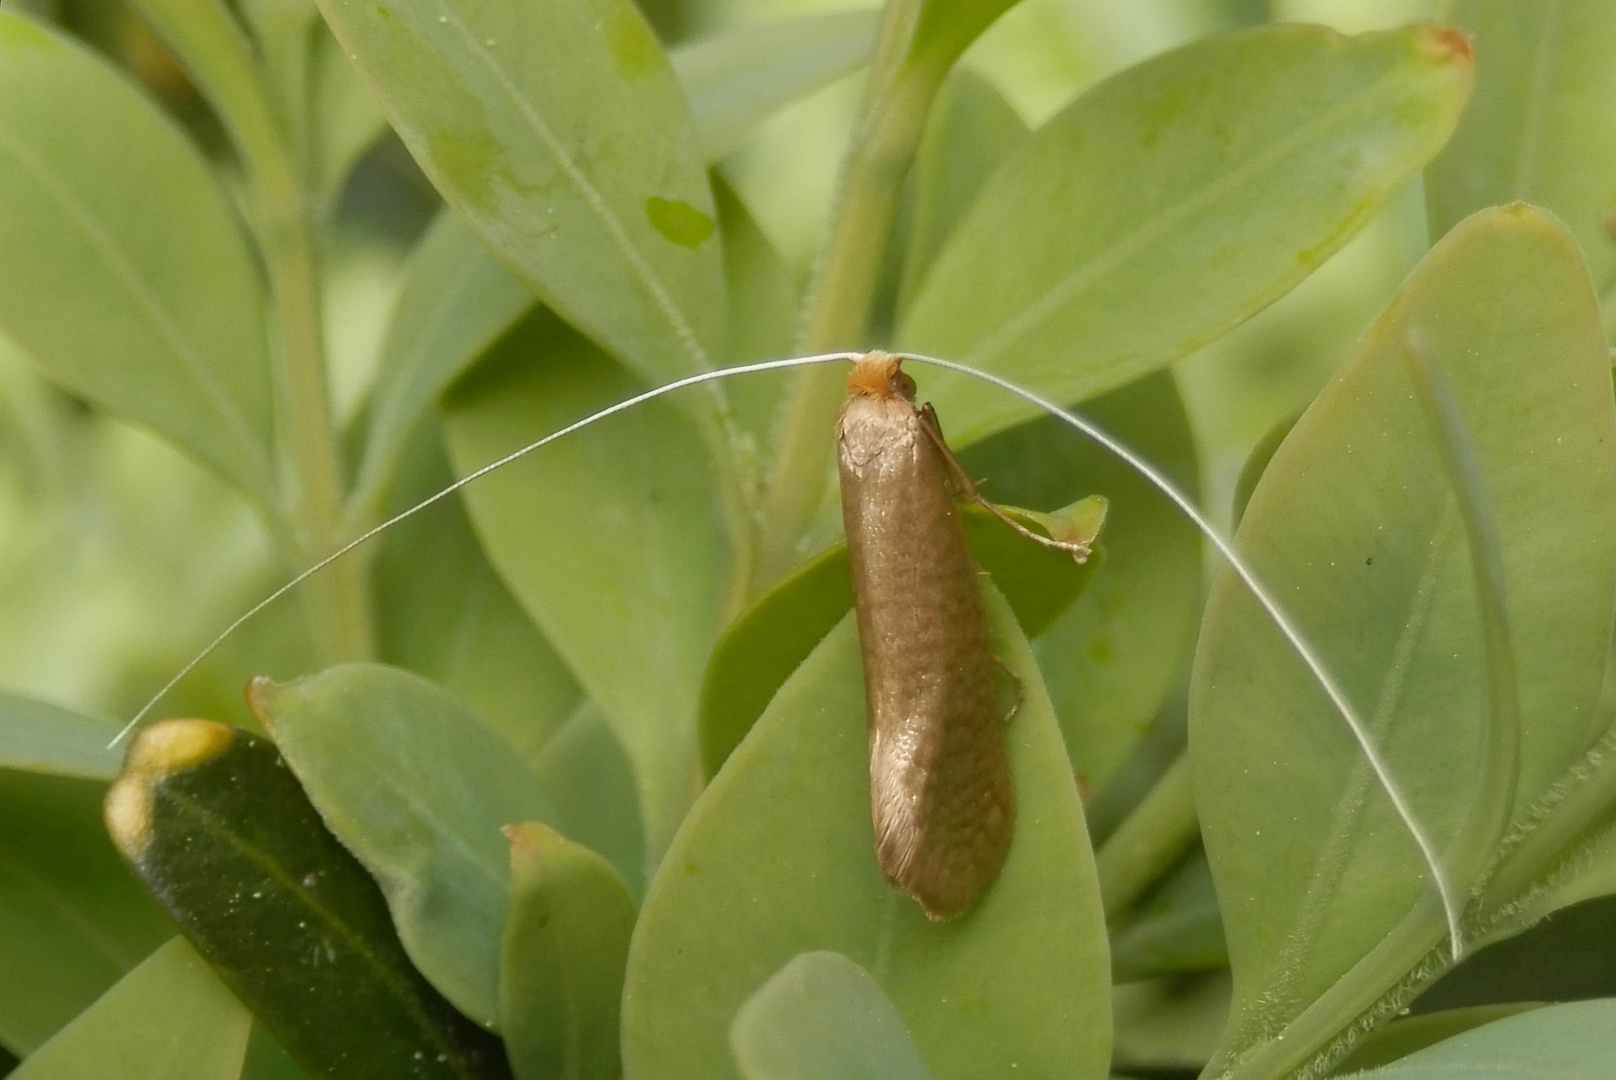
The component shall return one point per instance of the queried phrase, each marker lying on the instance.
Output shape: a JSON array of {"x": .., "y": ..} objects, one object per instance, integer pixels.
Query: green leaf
[
  {"x": 1559, "y": 1042},
  {"x": 1173, "y": 201},
  {"x": 768, "y": 640},
  {"x": 607, "y": 538},
  {"x": 1178, "y": 929},
  {"x": 1404, "y": 1036},
  {"x": 554, "y": 129},
  {"x": 347, "y": 122},
  {"x": 589, "y": 777},
  {"x": 72, "y": 919},
  {"x": 170, "y": 1017},
  {"x": 443, "y": 612},
  {"x": 566, "y": 944},
  {"x": 417, "y": 787},
  {"x": 1112, "y": 659},
  {"x": 1541, "y": 126},
  {"x": 763, "y": 306},
  {"x": 96, "y": 189},
  {"x": 42, "y": 738},
  {"x": 217, "y": 826},
  {"x": 735, "y": 79},
  {"x": 777, "y": 858},
  {"x": 822, "y": 1017},
  {"x": 971, "y": 130},
  {"x": 456, "y": 300},
  {"x": 1355, "y": 526}
]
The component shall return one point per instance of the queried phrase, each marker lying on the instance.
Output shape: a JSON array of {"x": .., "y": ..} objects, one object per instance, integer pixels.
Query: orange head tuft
[{"x": 880, "y": 375}]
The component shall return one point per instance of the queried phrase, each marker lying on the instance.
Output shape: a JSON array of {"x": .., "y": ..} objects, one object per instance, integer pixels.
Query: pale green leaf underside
[{"x": 1355, "y": 528}]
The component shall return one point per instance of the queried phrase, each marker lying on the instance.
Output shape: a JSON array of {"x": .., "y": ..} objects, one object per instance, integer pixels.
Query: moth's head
[{"x": 880, "y": 375}]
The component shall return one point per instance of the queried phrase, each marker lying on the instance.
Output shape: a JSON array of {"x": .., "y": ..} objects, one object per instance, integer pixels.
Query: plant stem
[
  {"x": 1149, "y": 840},
  {"x": 896, "y": 101},
  {"x": 335, "y": 601}
]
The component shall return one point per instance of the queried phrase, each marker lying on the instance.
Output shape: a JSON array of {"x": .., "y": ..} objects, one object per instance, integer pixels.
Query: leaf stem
[
  {"x": 1149, "y": 840},
  {"x": 897, "y": 98}
]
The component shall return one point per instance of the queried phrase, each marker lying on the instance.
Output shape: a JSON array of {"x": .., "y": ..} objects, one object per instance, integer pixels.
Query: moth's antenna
[
  {"x": 1338, "y": 698},
  {"x": 374, "y": 531}
]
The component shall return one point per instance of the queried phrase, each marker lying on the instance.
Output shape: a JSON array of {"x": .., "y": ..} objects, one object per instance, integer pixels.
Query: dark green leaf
[
  {"x": 736, "y": 78},
  {"x": 72, "y": 919},
  {"x": 777, "y": 858},
  {"x": 607, "y": 538},
  {"x": 41, "y": 738},
  {"x": 770, "y": 638},
  {"x": 1178, "y": 928},
  {"x": 418, "y": 788},
  {"x": 1541, "y": 125},
  {"x": 553, "y": 129},
  {"x": 1173, "y": 201},
  {"x": 170, "y": 1017},
  {"x": 821, "y": 1017},
  {"x": 1354, "y": 525},
  {"x": 97, "y": 188},
  {"x": 566, "y": 944},
  {"x": 221, "y": 832}
]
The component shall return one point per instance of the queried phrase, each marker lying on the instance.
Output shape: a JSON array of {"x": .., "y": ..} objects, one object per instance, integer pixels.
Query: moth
[{"x": 940, "y": 794}]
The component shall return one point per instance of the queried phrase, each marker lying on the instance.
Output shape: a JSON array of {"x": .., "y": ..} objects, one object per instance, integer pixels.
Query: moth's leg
[{"x": 966, "y": 488}]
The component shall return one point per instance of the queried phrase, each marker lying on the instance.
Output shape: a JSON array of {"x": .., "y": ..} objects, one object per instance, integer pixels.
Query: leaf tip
[
  {"x": 158, "y": 751},
  {"x": 1447, "y": 45}
]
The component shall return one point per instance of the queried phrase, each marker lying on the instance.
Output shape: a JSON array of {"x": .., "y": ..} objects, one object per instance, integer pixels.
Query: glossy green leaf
[
  {"x": 1560, "y": 1042},
  {"x": 554, "y": 129},
  {"x": 443, "y": 612},
  {"x": 777, "y": 858},
  {"x": 607, "y": 538},
  {"x": 96, "y": 189},
  {"x": 566, "y": 944},
  {"x": 42, "y": 738},
  {"x": 1355, "y": 527},
  {"x": 1257, "y": 463},
  {"x": 418, "y": 788},
  {"x": 1404, "y": 1036},
  {"x": 455, "y": 302},
  {"x": 768, "y": 640},
  {"x": 1173, "y": 201},
  {"x": 217, "y": 826},
  {"x": 1541, "y": 126},
  {"x": 736, "y": 78},
  {"x": 168, "y": 1019},
  {"x": 971, "y": 130},
  {"x": 268, "y": 1060},
  {"x": 1111, "y": 659},
  {"x": 822, "y": 1017},
  {"x": 589, "y": 777},
  {"x": 72, "y": 919}
]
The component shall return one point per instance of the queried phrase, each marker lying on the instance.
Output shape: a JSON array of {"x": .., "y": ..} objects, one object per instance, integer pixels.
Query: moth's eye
[{"x": 903, "y": 386}]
